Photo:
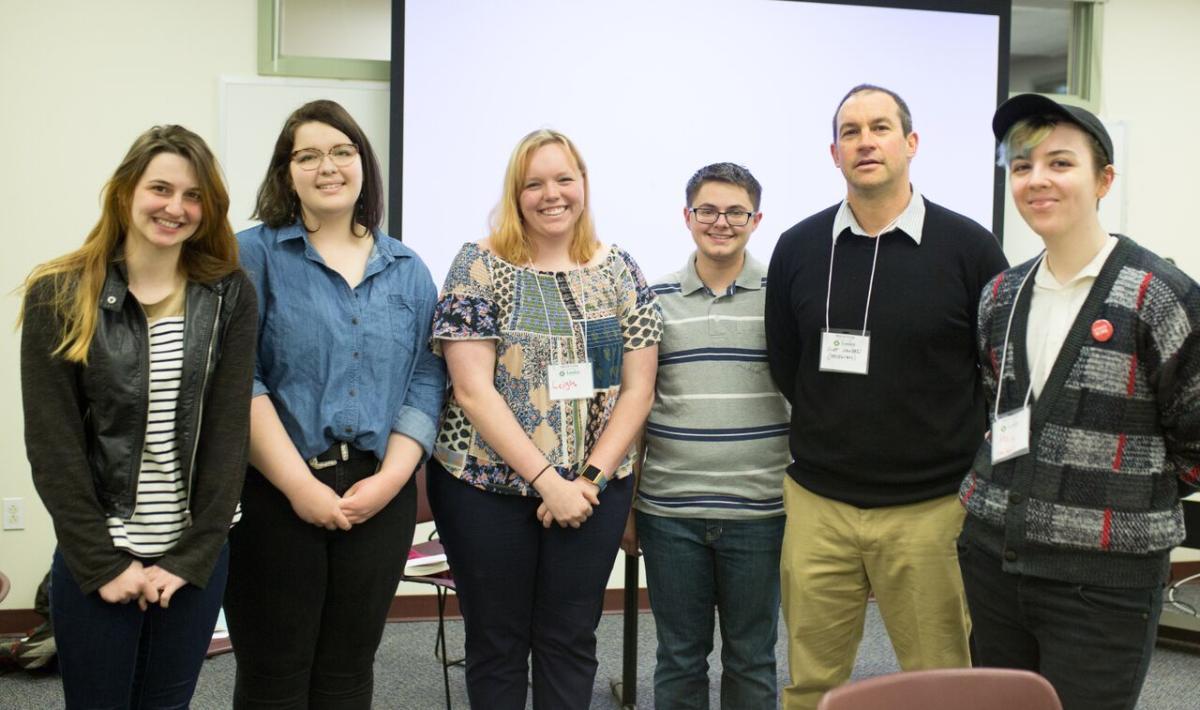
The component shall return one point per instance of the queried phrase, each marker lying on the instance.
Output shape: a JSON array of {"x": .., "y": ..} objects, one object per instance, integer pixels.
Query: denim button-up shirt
[{"x": 344, "y": 364}]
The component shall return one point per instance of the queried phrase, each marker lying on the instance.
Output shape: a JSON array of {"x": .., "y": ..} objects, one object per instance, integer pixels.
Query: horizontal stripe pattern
[
  {"x": 716, "y": 438},
  {"x": 713, "y": 354},
  {"x": 716, "y": 434},
  {"x": 770, "y": 505},
  {"x": 160, "y": 511}
]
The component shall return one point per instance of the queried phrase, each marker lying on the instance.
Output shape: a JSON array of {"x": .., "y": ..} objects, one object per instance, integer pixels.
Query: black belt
[{"x": 336, "y": 454}]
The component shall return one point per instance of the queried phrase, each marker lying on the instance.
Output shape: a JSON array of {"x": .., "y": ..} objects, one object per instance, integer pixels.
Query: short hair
[
  {"x": 278, "y": 205},
  {"x": 508, "y": 238},
  {"x": 905, "y": 114},
  {"x": 730, "y": 173},
  {"x": 1029, "y": 132}
]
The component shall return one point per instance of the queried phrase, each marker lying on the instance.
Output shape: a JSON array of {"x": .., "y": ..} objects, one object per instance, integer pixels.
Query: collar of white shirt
[
  {"x": 1044, "y": 279},
  {"x": 911, "y": 221}
]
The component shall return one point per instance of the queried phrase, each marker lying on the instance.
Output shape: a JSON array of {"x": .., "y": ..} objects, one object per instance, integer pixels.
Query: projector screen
[{"x": 652, "y": 90}]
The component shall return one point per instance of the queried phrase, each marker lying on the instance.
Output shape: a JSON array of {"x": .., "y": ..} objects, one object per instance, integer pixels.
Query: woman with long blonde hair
[
  {"x": 137, "y": 356},
  {"x": 551, "y": 340}
]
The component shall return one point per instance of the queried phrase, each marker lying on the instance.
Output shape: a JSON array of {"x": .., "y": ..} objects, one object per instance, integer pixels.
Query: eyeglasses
[
  {"x": 734, "y": 218},
  {"x": 311, "y": 158}
]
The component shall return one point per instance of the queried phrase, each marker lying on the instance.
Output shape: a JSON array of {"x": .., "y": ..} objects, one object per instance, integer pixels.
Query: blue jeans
[
  {"x": 692, "y": 566},
  {"x": 525, "y": 589},
  {"x": 1092, "y": 643},
  {"x": 118, "y": 656}
]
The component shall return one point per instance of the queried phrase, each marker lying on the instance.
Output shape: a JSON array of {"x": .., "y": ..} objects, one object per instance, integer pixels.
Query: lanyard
[
  {"x": 572, "y": 402},
  {"x": 537, "y": 279},
  {"x": 870, "y": 284},
  {"x": 1007, "y": 331}
]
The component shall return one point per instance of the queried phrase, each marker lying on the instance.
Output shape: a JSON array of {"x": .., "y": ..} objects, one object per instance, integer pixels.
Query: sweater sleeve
[
  {"x": 1173, "y": 354},
  {"x": 223, "y": 446},
  {"x": 779, "y": 321},
  {"x": 989, "y": 359},
  {"x": 989, "y": 264},
  {"x": 55, "y": 443}
]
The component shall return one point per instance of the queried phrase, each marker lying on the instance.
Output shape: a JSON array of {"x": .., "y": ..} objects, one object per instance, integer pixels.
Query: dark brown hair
[
  {"x": 901, "y": 107},
  {"x": 278, "y": 205}
]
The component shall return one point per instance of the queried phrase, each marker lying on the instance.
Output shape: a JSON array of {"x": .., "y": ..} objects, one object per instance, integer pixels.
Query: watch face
[{"x": 596, "y": 476}]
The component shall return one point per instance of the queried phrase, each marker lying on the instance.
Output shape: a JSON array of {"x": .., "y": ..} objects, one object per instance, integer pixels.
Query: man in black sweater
[{"x": 870, "y": 334}]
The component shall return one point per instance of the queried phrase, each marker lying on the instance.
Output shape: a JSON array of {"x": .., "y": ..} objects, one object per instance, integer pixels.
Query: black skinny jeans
[
  {"x": 1092, "y": 643},
  {"x": 306, "y": 606}
]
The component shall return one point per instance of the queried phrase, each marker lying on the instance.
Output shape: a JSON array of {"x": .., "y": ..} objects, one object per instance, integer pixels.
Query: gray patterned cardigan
[{"x": 1115, "y": 437}]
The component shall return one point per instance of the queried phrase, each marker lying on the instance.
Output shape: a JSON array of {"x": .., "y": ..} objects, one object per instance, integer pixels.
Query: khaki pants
[{"x": 835, "y": 554}]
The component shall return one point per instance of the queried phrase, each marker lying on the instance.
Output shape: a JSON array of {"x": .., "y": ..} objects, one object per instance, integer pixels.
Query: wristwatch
[{"x": 595, "y": 475}]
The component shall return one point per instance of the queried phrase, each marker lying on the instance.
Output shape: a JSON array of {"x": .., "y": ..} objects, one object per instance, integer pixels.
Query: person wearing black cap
[
  {"x": 1092, "y": 369},
  {"x": 870, "y": 336}
]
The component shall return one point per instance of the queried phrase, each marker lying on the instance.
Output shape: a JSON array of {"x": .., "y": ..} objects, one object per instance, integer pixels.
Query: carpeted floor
[{"x": 408, "y": 677}]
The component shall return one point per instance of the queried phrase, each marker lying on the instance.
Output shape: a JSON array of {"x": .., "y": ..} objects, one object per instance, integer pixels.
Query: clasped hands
[
  {"x": 318, "y": 504},
  {"x": 569, "y": 503},
  {"x": 148, "y": 585}
]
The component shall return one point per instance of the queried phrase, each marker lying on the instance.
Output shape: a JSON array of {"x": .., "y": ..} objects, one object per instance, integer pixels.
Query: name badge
[
  {"x": 845, "y": 351},
  {"x": 1010, "y": 435},
  {"x": 571, "y": 381}
]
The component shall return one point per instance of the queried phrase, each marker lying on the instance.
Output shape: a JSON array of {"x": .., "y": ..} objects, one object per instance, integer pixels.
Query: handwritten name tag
[
  {"x": 842, "y": 351},
  {"x": 572, "y": 381}
]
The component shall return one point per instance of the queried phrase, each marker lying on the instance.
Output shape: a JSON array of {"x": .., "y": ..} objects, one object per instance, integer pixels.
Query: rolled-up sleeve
[{"x": 418, "y": 415}]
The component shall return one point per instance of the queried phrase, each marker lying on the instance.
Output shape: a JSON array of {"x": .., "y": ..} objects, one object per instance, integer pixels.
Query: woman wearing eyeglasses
[
  {"x": 137, "y": 353},
  {"x": 345, "y": 407},
  {"x": 1091, "y": 357},
  {"x": 551, "y": 339}
]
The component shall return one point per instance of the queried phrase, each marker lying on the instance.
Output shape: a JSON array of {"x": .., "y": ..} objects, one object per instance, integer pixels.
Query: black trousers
[
  {"x": 525, "y": 589},
  {"x": 306, "y": 606},
  {"x": 1092, "y": 643}
]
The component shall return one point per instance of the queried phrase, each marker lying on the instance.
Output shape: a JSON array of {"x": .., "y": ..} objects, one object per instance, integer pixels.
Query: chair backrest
[
  {"x": 946, "y": 689},
  {"x": 424, "y": 512}
]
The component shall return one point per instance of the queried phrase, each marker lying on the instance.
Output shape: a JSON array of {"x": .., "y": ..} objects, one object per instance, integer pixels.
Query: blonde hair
[
  {"x": 76, "y": 279},
  {"x": 508, "y": 238},
  {"x": 1028, "y": 133}
]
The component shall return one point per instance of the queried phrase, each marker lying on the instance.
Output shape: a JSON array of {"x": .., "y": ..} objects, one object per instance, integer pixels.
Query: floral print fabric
[{"x": 539, "y": 319}]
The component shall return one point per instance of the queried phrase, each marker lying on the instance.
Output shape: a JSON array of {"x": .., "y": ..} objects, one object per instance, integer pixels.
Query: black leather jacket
[
  {"x": 116, "y": 384},
  {"x": 85, "y": 425}
]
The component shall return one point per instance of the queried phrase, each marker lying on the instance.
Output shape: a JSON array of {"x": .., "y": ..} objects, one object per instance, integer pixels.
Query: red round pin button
[{"x": 1102, "y": 330}]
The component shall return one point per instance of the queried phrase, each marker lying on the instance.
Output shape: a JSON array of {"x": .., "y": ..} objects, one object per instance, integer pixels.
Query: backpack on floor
[{"x": 36, "y": 650}]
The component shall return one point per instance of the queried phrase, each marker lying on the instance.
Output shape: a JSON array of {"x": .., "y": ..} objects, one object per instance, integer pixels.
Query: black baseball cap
[{"x": 1026, "y": 105}]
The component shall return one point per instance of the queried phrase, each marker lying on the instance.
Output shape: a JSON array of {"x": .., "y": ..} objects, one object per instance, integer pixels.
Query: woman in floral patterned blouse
[{"x": 551, "y": 339}]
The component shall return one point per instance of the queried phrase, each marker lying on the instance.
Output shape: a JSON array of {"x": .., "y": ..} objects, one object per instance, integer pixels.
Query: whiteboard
[
  {"x": 650, "y": 91},
  {"x": 253, "y": 110}
]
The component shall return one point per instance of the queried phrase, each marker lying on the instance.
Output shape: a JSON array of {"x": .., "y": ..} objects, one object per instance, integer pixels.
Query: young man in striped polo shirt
[{"x": 709, "y": 509}]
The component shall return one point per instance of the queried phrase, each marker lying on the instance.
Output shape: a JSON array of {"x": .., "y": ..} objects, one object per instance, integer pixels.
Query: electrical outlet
[{"x": 14, "y": 514}]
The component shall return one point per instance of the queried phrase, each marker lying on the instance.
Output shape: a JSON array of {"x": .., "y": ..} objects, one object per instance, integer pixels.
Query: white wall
[{"x": 1149, "y": 82}]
